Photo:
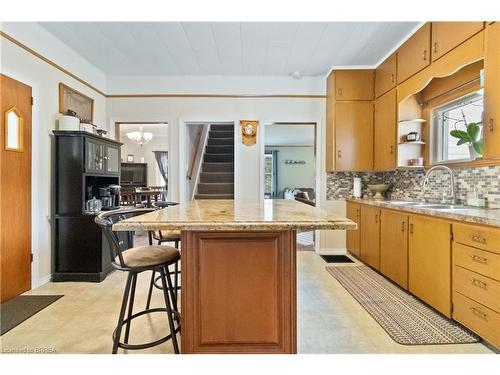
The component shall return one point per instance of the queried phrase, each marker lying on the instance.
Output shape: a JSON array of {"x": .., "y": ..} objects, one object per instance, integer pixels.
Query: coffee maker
[{"x": 109, "y": 196}]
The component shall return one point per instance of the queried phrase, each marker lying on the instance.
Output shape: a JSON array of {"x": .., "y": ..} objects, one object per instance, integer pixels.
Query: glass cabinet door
[
  {"x": 112, "y": 159},
  {"x": 95, "y": 157}
]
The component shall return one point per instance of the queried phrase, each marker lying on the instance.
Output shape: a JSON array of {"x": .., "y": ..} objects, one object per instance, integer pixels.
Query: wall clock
[{"x": 249, "y": 132}]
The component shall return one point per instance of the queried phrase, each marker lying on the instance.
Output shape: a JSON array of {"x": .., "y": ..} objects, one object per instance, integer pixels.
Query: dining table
[{"x": 150, "y": 194}]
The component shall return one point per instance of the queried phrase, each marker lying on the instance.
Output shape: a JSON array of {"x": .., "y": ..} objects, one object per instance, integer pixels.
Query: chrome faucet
[{"x": 452, "y": 179}]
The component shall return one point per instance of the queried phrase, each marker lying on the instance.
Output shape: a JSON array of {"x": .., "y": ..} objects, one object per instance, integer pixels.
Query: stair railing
[
  {"x": 195, "y": 155},
  {"x": 193, "y": 174}
]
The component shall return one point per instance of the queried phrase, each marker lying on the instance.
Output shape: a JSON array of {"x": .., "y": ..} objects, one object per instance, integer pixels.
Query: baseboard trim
[
  {"x": 40, "y": 281},
  {"x": 332, "y": 252}
]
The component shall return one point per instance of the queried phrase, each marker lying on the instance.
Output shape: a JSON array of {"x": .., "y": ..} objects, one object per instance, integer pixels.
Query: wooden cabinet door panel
[
  {"x": 354, "y": 84},
  {"x": 394, "y": 246},
  {"x": 491, "y": 114},
  {"x": 370, "y": 236},
  {"x": 429, "y": 262},
  {"x": 385, "y": 75},
  {"x": 330, "y": 123},
  {"x": 354, "y": 136},
  {"x": 352, "y": 236},
  {"x": 448, "y": 35},
  {"x": 385, "y": 125},
  {"x": 414, "y": 54}
]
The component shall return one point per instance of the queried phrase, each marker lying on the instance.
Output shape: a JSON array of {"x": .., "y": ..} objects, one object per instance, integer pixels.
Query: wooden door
[
  {"x": 385, "y": 76},
  {"x": 394, "y": 246},
  {"x": 352, "y": 236},
  {"x": 414, "y": 54},
  {"x": 370, "y": 236},
  {"x": 15, "y": 186},
  {"x": 448, "y": 35},
  {"x": 385, "y": 130},
  {"x": 491, "y": 114},
  {"x": 354, "y": 84},
  {"x": 354, "y": 136},
  {"x": 429, "y": 262}
]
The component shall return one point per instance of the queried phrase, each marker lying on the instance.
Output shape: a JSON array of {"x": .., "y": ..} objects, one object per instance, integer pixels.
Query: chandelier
[{"x": 140, "y": 137}]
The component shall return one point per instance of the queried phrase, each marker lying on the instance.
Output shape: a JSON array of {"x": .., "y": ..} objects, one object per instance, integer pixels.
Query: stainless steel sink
[{"x": 438, "y": 206}]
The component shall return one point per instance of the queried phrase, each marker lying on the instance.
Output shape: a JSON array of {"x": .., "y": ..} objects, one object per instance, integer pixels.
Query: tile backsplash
[{"x": 407, "y": 184}]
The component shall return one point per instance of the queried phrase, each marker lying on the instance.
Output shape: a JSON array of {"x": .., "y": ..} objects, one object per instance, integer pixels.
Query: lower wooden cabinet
[
  {"x": 429, "y": 261},
  {"x": 394, "y": 246},
  {"x": 352, "y": 236},
  {"x": 370, "y": 236}
]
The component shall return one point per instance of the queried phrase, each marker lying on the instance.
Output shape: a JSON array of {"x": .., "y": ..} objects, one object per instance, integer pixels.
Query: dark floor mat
[
  {"x": 20, "y": 308},
  {"x": 336, "y": 259}
]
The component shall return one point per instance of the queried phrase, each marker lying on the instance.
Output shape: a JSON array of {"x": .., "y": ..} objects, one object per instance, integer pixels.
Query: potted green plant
[{"x": 471, "y": 137}]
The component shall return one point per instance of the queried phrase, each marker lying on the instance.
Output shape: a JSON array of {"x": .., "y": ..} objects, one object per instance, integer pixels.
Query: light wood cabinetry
[
  {"x": 330, "y": 123},
  {"x": 353, "y": 136},
  {"x": 448, "y": 35},
  {"x": 385, "y": 128},
  {"x": 429, "y": 261},
  {"x": 394, "y": 246},
  {"x": 353, "y": 84},
  {"x": 414, "y": 54},
  {"x": 352, "y": 236},
  {"x": 385, "y": 75},
  {"x": 370, "y": 236},
  {"x": 491, "y": 113}
]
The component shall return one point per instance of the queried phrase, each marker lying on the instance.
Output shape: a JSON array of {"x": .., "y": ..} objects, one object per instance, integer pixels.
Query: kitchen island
[{"x": 238, "y": 261}]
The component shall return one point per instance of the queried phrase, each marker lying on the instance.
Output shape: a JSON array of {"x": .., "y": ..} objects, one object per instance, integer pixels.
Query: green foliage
[{"x": 470, "y": 137}]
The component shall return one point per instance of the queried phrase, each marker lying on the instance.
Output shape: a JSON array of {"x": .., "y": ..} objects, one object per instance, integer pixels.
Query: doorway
[
  {"x": 290, "y": 166},
  {"x": 15, "y": 186}
]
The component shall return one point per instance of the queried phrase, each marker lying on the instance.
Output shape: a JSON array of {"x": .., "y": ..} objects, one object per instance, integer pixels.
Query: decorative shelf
[
  {"x": 412, "y": 143},
  {"x": 417, "y": 120}
]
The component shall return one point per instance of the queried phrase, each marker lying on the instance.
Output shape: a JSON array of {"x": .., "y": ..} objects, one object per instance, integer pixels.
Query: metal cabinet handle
[
  {"x": 376, "y": 218},
  {"x": 392, "y": 78},
  {"x": 477, "y": 258},
  {"x": 358, "y": 212},
  {"x": 392, "y": 149},
  {"x": 479, "y": 283},
  {"x": 339, "y": 154},
  {"x": 411, "y": 228},
  {"x": 339, "y": 92},
  {"x": 424, "y": 55},
  {"x": 478, "y": 313},
  {"x": 478, "y": 238},
  {"x": 435, "y": 46},
  {"x": 491, "y": 125},
  {"x": 403, "y": 225}
]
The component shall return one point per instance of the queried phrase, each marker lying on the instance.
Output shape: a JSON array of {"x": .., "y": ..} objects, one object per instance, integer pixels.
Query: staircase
[{"x": 217, "y": 171}]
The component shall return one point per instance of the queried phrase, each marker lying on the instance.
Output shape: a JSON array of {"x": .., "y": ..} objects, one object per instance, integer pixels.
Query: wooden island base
[{"x": 239, "y": 292}]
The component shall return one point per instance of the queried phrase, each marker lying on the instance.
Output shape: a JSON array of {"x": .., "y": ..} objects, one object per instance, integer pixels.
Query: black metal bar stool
[
  {"x": 165, "y": 236},
  {"x": 134, "y": 261}
]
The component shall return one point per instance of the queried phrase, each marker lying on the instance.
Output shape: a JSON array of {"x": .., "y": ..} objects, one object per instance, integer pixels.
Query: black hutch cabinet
[{"x": 82, "y": 163}]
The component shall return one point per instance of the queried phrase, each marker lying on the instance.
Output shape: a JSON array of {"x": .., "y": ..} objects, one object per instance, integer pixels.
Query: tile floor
[{"x": 329, "y": 319}]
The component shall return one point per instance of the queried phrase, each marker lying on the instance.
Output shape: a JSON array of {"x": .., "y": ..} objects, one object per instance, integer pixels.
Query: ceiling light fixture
[{"x": 140, "y": 137}]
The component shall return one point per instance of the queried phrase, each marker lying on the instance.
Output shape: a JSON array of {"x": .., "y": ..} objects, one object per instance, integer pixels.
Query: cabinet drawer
[
  {"x": 483, "y": 262},
  {"x": 477, "y": 287},
  {"x": 480, "y": 319},
  {"x": 481, "y": 237}
]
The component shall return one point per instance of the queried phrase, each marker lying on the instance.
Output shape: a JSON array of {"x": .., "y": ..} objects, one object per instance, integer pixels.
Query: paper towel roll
[
  {"x": 69, "y": 123},
  {"x": 356, "y": 190}
]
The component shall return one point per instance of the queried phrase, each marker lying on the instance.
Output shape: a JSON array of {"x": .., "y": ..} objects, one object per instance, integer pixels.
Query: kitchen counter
[
  {"x": 229, "y": 215},
  {"x": 239, "y": 270},
  {"x": 466, "y": 214}
]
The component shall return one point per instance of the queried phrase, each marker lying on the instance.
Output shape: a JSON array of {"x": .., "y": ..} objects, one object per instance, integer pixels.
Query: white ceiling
[
  {"x": 158, "y": 130},
  {"x": 229, "y": 48},
  {"x": 289, "y": 134}
]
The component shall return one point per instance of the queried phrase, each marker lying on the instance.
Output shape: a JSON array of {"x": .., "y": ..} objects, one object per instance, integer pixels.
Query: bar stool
[
  {"x": 164, "y": 236},
  {"x": 134, "y": 261}
]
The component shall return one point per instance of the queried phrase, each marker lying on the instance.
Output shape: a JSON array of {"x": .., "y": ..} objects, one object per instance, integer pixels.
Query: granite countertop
[
  {"x": 467, "y": 214},
  {"x": 222, "y": 215}
]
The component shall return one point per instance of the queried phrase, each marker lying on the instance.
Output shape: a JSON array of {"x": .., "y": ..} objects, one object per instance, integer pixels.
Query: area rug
[
  {"x": 20, "y": 308},
  {"x": 406, "y": 319}
]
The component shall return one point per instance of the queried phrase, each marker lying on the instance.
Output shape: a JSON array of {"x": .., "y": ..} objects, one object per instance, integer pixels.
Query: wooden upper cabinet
[
  {"x": 385, "y": 75},
  {"x": 394, "y": 246},
  {"x": 370, "y": 236},
  {"x": 352, "y": 236},
  {"x": 384, "y": 132},
  {"x": 330, "y": 123},
  {"x": 491, "y": 113},
  {"x": 414, "y": 54},
  {"x": 354, "y": 84},
  {"x": 448, "y": 35},
  {"x": 353, "y": 136}
]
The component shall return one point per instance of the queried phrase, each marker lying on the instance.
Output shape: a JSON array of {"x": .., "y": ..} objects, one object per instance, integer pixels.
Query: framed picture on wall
[
  {"x": 73, "y": 100},
  {"x": 130, "y": 158}
]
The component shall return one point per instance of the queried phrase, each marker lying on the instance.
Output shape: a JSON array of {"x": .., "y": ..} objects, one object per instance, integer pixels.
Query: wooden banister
[{"x": 195, "y": 156}]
